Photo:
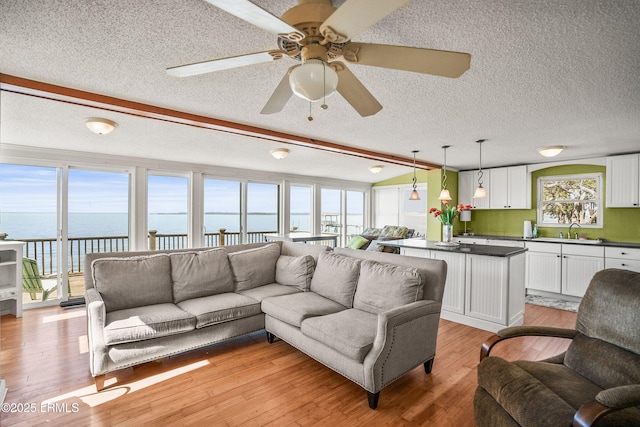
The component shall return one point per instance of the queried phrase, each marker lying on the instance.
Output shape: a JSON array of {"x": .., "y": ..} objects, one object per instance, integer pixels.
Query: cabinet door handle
[
  {"x": 623, "y": 264},
  {"x": 623, "y": 253}
]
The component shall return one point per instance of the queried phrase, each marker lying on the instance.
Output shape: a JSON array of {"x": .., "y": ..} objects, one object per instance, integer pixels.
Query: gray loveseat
[{"x": 371, "y": 317}]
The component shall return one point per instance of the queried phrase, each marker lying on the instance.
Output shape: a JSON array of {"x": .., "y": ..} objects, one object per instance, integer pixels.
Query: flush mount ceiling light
[
  {"x": 414, "y": 194},
  {"x": 375, "y": 168},
  {"x": 444, "y": 194},
  {"x": 100, "y": 126},
  {"x": 279, "y": 153},
  {"x": 313, "y": 80},
  {"x": 480, "y": 191},
  {"x": 551, "y": 151}
]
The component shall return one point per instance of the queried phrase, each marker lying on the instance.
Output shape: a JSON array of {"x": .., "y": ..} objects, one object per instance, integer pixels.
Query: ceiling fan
[{"x": 318, "y": 34}]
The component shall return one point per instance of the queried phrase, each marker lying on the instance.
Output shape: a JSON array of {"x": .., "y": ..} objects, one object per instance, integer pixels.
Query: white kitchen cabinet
[
  {"x": 11, "y": 277},
  {"x": 467, "y": 183},
  {"x": 623, "y": 181},
  {"x": 562, "y": 269},
  {"x": 544, "y": 267},
  {"x": 579, "y": 264},
  {"x": 454, "y": 288},
  {"x": 509, "y": 188},
  {"x": 624, "y": 258},
  {"x": 493, "y": 295}
]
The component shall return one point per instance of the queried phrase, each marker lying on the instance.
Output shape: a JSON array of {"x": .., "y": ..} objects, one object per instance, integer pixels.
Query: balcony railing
[{"x": 44, "y": 251}]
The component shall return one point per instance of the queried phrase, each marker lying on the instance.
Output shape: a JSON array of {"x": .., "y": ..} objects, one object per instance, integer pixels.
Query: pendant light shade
[
  {"x": 480, "y": 192},
  {"x": 445, "y": 196},
  {"x": 313, "y": 80},
  {"x": 414, "y": 194}
]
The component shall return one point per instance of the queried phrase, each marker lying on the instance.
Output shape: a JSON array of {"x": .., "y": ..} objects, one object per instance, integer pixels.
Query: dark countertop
[
  {"x": 601, "y": 242},
  {"x": 487, "y": 250}
]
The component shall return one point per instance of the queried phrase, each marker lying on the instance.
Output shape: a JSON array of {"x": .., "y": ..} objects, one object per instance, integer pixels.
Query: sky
[{"x": 33, "y": 189}]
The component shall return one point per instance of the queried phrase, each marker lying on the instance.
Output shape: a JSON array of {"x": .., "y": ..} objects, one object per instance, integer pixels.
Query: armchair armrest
[
  {"x": 524, "y": 331},
  {"x": 607, "y": 401}
]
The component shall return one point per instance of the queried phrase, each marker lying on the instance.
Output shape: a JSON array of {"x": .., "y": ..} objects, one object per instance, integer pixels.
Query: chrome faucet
[{"x": 572, "y": 224}]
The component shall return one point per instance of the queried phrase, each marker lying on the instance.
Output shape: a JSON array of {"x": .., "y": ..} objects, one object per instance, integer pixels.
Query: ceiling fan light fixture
[
  {"x": 551, "y": 151},
  {"x": 279, "y": 153},
  {"x": 375, "y": 168},
  {"x": 313, "y": 80},
  {"x": 100, "y": 126}
]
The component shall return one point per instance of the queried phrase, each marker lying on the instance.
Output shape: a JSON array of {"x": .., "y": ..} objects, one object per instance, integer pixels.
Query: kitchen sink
[{"x": 568, "y": 241}]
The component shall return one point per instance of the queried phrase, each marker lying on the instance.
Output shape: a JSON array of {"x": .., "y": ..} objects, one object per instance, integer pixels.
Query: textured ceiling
[{"x": 546, "y": 72}]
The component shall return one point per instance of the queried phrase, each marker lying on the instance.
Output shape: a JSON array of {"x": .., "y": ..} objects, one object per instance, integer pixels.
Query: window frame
[{"x": 599, "y": 201}]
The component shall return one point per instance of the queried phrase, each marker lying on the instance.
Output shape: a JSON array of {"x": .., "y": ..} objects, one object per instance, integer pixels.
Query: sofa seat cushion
[
  {"x": 220, "y": 308},
  {"x": 382, "y": 287},
  {"x": 295, "y": 308},
  {"x": 143, "y": 323},
  {"x": 270, "y": 290},
  {"x": 200, "y": 273},
  {"x": 350, "y": 332},
  {"x": 336, "y": 277},
  {"x": 134, "y": 281},
  {"x": 254, "y": 267}
]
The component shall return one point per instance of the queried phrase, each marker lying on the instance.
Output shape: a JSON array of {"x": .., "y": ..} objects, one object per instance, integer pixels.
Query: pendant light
[
  {"x": 480, "y": 191},
  {"x": 414, "y": 193},
  {"x": 445, "y": 196}
]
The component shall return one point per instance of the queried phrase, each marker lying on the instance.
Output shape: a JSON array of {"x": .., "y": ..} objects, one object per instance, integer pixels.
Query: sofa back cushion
[
  {"x": 200, "y": 274},
  {"x": 254, "y": 267},
  {"x": 382, "y": 287},
  {"x": 295, "y": 271},
  {"x": 336, "y": 277},
  {"x": 134, "y": 281}
]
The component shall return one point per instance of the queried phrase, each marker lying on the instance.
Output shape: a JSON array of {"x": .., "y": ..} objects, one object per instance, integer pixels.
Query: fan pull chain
[
  {"x": 324, "y": 105},
  {"x": 310, "y": 118}
]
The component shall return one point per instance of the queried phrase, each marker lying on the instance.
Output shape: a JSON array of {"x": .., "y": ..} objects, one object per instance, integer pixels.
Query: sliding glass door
[
  {"x": 98, "y": 219},
  {"x": 168, "y": 210},
  {"x": 29, "y": 213},
  {"x": 222, "y": 218}
]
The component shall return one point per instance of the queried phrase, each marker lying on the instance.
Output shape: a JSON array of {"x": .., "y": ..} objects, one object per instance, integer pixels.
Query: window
[
  {"x": 300, "y": 215},
  {"x": 263, "y": 201},
  {"x": 563, "y": 200},
  {"x": 168, "y": 205}
]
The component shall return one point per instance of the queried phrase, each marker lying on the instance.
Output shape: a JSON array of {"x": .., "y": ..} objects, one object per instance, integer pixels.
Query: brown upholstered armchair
[{"x": 595, "y": 382}]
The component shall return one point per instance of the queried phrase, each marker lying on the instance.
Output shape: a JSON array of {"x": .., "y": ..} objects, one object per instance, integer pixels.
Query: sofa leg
[
  {"x": 373, "y": 399},
  {"x": 270, "y": 337},
  {"x": 99, "y": 382},
  {"x": 428, "y": 366}
]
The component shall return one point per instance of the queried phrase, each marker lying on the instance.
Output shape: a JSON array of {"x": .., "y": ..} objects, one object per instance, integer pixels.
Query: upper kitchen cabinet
[
  {"x": 623, "y": 181},
  {"x": 467, "y": 183},
  {"x": 509, "y": 188}
]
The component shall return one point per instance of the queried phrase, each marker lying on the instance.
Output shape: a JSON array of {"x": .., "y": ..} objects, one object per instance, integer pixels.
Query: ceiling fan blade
[
  {"x": 427, "y": 61},
  {"x": 354, "y": 91},
  {"x": 259, "y": 17},
  {"x": 280, "y": 96},
  {"x": 223, "y": 63},
  {"x": 354, "y": 16}
]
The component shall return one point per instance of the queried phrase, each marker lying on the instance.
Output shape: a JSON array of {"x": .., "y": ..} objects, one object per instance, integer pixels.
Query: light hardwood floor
[{"x": 44, "y": 360}]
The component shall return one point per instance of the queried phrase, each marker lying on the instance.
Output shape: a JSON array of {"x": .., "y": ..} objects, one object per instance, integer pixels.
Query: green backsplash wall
[{"x": 620, "y": 224}]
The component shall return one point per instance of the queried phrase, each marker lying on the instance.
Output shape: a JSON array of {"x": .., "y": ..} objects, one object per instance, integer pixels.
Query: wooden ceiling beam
[{"x": 88, "y": 99}]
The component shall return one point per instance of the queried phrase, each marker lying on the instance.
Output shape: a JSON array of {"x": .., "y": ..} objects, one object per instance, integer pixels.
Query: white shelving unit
[
  {"x": 10, "y": 287},
  {"x": 11, "y": 277}
]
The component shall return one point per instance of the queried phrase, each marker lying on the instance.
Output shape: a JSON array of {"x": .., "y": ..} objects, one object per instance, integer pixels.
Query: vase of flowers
[{"x": 446, "y": 216}]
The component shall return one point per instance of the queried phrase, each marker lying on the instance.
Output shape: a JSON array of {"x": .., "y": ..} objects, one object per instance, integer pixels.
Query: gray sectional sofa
[{"x": 371, "y": 317}]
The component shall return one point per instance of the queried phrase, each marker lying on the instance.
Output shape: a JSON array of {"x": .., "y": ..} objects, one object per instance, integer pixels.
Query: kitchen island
[{"x": 485, "y": 285}]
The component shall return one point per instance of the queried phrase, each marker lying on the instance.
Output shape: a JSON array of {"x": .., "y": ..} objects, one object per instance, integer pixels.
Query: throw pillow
[
  {"x": 357, "y": 242},
  {"x": 200, "y": 274},
  {"x": 133, "y": 282},
  {"x": 382, "y": 287},
  {"x": 336, "y": 277},
  {"x": 295, "y": 271},
  {"x": 254, "y": 267}
]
